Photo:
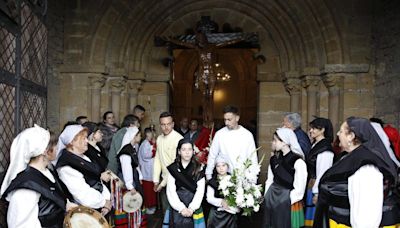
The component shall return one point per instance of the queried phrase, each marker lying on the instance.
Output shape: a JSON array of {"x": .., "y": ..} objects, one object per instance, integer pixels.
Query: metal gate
[{"x": 23, "y": 73}]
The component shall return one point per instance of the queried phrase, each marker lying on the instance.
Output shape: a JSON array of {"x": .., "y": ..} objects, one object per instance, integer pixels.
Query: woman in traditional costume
[
  {"x": 82, "y": 176},
  {"x": 352, "y": 192},
  {"x": 128, "y": 161},
  {"x": 185, "y": 189},
  {"x": 220, "y": 215},
  {"x": 286, "y": 183},
  {"x": 96, "y": 152},
  {"x": 128, "y": 169},
  {"x": 36, "y": 196},
  {"x": 319, "y": 159}
]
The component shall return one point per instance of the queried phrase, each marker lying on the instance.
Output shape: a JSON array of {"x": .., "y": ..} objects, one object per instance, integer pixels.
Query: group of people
[
  {"x": 308, "y": 183},
  {"x": 354, "y": 187}
]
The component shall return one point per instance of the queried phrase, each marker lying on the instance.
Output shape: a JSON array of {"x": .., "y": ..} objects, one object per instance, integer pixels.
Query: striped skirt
[
  {"x": 297, "y": 214},
  {"x": 310, "y": 209},
  {"x": 278, "y": 212},
  {"x": 334, "y": 224}
]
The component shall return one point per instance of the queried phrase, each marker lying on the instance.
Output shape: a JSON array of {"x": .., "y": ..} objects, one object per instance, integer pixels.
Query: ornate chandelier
[{"x": 221, "y": 74}]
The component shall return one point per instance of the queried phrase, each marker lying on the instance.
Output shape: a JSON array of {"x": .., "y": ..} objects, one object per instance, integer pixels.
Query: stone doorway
[{"x": 241, "y": 90}]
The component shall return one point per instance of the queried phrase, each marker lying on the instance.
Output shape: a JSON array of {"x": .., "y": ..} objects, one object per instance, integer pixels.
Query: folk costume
[
  {"x": 219, "y": 217},
  {"x": 285, "y": 186},
  {"x": 185, "y": 190},
  {"x": 36, "y": 197},
  {"x": 128, "y": 170},
  {"x": 351, "y": 192},
  {"x": 318, "y": 160},
  {"x": 79, "y": 173}
]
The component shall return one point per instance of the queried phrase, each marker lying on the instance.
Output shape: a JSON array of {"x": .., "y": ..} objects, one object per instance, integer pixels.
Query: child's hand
[
  {"x": 133, "y": 191},
  {"x": 224, "y": 204},
  {"x": 105, "y": 176}
]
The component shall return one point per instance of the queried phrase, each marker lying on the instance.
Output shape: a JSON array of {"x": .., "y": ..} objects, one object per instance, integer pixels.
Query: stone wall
[
  {"x": 387, "y": 61},
  {"x": 55, "y": 27}
]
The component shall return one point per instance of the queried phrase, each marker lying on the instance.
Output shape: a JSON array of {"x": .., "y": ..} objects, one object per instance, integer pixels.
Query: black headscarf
[{"x": 364, "y": 131}]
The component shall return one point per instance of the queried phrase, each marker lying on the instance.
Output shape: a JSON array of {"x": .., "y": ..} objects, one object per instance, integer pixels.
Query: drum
[
  {"x": 132, "y": 202},
  {"x": 84, "y": 217}
]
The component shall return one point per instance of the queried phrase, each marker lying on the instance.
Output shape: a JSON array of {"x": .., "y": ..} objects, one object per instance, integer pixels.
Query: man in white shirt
[{"x": 233, "y": 141}]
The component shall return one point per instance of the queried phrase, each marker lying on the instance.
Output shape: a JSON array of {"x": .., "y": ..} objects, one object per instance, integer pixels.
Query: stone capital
[
  {"x": 134, "y": 86},
  {"x": 333, "y": 80},
  {"x": 117, "y": 85},
  {"x": 292, "y": 85},
  {"x": 310, "y": 81},
  {"x": 97, "y": 82}
]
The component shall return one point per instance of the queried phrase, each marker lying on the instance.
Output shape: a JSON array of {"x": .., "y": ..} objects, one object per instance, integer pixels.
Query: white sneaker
[{"x": 151, "y": 210}]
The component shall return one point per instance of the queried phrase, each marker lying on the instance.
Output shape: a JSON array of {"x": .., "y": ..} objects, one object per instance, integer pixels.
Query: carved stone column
[
  {"x": 96, "y": 83},
  {"x": 134, "y": 87},
  {"x": 293, "y": 87},
  {"x": 334, "y": 84},
  {"x": 117, "y": 86},
  {"x": 311, "y": 84}
]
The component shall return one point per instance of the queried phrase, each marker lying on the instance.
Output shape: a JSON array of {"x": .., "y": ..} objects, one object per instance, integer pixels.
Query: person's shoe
[{"x": 151, "y": 210}]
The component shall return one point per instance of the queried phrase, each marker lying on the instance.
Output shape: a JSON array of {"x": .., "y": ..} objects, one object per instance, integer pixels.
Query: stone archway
[{"x": 313, "y": 58}]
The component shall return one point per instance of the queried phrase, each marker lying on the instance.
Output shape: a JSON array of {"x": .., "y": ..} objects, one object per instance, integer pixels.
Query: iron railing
[{"x": 23, "y": 73}]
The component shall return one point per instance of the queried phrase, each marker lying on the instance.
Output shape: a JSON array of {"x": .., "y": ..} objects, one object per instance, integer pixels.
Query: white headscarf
[
  {"x": 289, "y": 137},
  {"x": 221, "y": 159},
  {"x": 30, "y": 143},
  {"x": 378, "y": 128},
  {"x": 129, "y": 135},
  {"x": 66, "y": 138}
]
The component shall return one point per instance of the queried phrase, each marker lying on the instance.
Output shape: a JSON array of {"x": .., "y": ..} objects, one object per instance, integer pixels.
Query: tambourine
[
  {"x": 84, "y": 217},
  {"x": 131, "y": 202},
  {"x": 118, "y": 180}
]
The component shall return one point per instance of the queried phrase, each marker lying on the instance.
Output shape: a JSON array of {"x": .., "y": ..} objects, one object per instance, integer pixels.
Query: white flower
[
  {"x": 239, "y": 190},
  {"x": 249, "y": 200},
  {"x": 225, "y": 182},
  {"x": 225, "y": 192},
  {"x": 239, "y": 199},
  {"x": 257, "y": 192},
  {"x": 257, "y": 207}
]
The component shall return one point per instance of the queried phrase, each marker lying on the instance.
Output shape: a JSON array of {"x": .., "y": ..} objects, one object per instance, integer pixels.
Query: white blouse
[
  {"x": 23, "y": 209},
  {"x": 211, "y": 199},
  {"x": 299, "y": 183},
  {"x": 80, "y": 190},
  {"x": 366, "y": 197},
  {"x": 173, "y": 197},
  {"x": 324, "y": 162},
  {"x": 127, "y": 172}
]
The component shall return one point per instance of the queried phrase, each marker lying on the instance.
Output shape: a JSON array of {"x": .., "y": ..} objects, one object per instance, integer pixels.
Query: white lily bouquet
[{"x": 241, "y": 190}]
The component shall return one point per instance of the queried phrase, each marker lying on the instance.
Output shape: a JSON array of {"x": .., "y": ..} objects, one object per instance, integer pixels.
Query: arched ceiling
[{"x": 303, "y": 33}]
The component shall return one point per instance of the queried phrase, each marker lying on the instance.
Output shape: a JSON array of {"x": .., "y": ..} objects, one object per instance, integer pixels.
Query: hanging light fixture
[{"x": 220, "y": 73}]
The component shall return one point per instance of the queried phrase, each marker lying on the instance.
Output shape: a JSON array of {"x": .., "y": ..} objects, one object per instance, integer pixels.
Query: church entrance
[{"x": 236, "y": 85}]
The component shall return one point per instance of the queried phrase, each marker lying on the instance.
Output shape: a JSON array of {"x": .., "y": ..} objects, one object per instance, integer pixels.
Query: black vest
[
  {"x": 184, "y": 177},
  {"x": 98, "y": 157},
  {"x": 52, "y": 199},
  {"x": 283, "y": 168},
  {"x": 321, "y": 146},
  {"x": 214, "y": 183},
  {"x": 130, "y": 150},
  {"x": 333, "y": 199},
  {"x": 91, "y": 171}
]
